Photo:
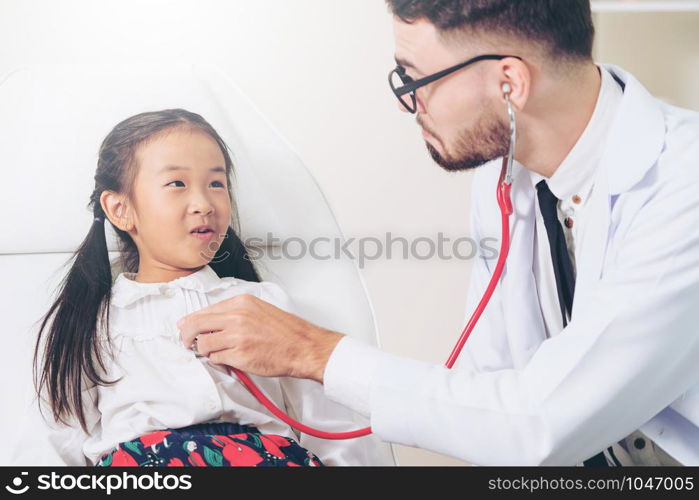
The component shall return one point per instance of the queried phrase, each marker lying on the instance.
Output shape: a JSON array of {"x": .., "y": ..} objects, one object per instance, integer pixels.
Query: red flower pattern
[
  {"x": 271, "y": 447},
  {"x": 239, "y": 454},
  {"x": 238, "y": 450},
  {"x": 154, "y": 438},
  {"x": 196, "y": 459},
  {"x": 122, "y": 459}
]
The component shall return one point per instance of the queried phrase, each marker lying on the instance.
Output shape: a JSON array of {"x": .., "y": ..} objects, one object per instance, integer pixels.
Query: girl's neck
[{"x": 162, "y": 274}]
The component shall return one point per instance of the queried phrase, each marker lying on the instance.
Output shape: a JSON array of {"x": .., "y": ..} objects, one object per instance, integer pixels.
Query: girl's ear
[{"x": 115, "y": 207}]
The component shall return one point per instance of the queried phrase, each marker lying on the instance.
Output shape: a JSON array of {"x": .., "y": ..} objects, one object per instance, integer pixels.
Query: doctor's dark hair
[
  {"x": 564, "y": 27},
  {"x": 74, "y": 345}
]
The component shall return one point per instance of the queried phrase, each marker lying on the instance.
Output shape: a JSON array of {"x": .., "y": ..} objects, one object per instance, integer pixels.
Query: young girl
[{"x": 109, "y": 362}]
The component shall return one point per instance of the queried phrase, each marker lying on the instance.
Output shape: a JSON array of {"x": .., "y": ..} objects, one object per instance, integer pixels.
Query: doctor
[{"x": 588, "y": 352}]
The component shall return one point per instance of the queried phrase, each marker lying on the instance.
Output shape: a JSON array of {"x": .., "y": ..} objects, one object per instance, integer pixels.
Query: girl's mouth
[
  {"x": 203, "y": 233},
  {"x": 204, "y": 236}
]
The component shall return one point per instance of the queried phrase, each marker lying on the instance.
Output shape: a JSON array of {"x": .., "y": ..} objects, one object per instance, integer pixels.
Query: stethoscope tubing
[{"x": 505, "y": 203}]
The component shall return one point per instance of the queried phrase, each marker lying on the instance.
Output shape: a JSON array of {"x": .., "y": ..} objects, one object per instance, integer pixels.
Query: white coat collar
[
  {"x": 126, "y": 291},
  {"x": 636, "y": 137},
  {"x": 636, "y": 140},
  {"x": 524, "y": 328},
  {"x": 634, "y": 144}
]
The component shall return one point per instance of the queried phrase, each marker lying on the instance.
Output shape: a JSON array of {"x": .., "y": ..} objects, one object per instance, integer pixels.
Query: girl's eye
[{"x": 218, "y": 184}]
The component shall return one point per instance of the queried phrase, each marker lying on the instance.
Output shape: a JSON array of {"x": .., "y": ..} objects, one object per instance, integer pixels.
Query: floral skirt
[{"x": 217, "y": 444}]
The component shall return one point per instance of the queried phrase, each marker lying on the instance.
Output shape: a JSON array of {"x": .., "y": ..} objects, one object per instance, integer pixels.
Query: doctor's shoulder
[{"x": 681, "y": 149}]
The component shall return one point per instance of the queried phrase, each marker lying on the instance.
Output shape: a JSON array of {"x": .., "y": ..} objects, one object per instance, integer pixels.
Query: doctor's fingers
[
  {"x": 257, "y": 336},
  {"x": 267, "y": 366},
  {"x": 202, "y": 323},
  {"x": 218, "y": 341},
  {"x": 253, "y": 357},
  {"x": 232, "y": 305}
]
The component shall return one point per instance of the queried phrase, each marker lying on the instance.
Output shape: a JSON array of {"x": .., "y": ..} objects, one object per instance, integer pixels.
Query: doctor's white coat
[{"x": 628, "y": 360}]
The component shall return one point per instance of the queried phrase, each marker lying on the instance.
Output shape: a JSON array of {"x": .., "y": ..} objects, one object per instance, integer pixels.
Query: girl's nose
[
  {"x": 200, "y": 204},
  {"x": 203, "y": 210}
]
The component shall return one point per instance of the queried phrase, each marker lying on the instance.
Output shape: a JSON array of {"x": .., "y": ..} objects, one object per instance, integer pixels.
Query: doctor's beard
[{"x": 489, "y": 140}]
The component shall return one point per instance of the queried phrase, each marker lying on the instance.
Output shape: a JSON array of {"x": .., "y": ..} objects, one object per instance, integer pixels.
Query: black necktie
[
  {"x": 562, "y": 265},
  {"x": 563, "y": 269}
]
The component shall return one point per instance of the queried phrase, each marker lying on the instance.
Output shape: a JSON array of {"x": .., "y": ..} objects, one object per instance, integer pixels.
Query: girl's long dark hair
[{"x": 73, "y": 351}]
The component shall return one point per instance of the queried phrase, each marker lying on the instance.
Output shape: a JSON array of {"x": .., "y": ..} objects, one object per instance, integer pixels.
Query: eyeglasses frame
[{"x": 413, "y": 85}]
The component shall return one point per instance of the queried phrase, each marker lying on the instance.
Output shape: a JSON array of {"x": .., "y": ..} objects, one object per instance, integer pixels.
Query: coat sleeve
[
  {"x": 630, "y": 354},
  {"x": 306, "y": 402}
]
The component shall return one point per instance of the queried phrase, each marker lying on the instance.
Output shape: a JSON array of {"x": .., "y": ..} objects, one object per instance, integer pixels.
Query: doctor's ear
[
  {"x": 117, "y": 210},
  {"x": 514, "y": 80}
]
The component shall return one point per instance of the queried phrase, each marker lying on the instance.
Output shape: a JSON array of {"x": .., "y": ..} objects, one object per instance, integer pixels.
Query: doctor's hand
[{"x": 258, "y": 338}]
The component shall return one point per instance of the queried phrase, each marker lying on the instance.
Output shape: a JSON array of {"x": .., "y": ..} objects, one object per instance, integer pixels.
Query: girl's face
[{"x": 180, "y": 185}]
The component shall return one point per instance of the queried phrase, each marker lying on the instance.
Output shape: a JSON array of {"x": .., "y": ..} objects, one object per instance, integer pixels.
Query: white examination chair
[{"x": 52, "y": 121}]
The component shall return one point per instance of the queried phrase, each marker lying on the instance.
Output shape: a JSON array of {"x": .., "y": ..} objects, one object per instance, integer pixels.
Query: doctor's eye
[
  {"x": 404, "y": 76},
  {"x": 175, "y": 182}
]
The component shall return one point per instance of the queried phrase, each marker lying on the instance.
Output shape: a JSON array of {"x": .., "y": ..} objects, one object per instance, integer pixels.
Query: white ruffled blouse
[{"x": 165, "y": 385}]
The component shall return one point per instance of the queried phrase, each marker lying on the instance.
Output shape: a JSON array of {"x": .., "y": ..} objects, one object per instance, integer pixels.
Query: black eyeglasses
[{"x": 404, "y": 87}]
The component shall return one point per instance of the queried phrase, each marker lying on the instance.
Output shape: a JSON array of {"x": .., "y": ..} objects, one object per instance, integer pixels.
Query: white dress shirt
[
  {"x": 165, "y": 385},
  {"x": 572, "y": 184},
  {"x": 472, "y": 409}
]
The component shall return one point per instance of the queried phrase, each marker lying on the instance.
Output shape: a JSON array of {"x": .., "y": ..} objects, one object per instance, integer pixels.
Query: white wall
[
  {"x": 660, "y": 48},
  {"x": 317, "y": 69}
]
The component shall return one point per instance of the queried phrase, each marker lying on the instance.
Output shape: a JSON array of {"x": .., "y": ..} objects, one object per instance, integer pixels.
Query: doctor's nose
[{"x": 419, "y": 104}]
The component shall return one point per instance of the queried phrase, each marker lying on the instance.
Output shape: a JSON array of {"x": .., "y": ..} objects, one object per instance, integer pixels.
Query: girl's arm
[
  {"x": 41, "y": 440},
  {"x": 306, "y": 402}
]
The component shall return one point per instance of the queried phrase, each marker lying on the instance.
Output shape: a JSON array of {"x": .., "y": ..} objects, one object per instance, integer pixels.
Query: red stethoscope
[{"x": 505, "y": 204}]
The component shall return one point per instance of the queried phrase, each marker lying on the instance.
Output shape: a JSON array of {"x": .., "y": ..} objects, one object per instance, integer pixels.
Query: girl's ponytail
[
  {"x": 232, "y": 259},
  {"x": 71, "y": 356}
]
